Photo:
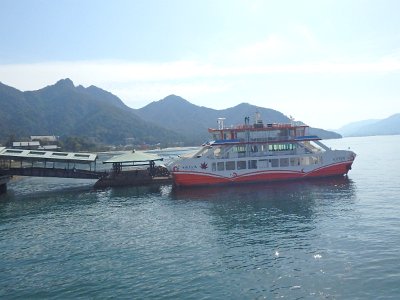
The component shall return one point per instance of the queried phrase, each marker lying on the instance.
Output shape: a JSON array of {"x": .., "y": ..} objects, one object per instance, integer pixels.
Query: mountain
[
  {"x": 178, "y": 114},
  {"x": 193, "y": 121},
  {"x": 351, "y": 128},
  {"x": 388, "y": 126},
  {"x": 65, "y": 110}
]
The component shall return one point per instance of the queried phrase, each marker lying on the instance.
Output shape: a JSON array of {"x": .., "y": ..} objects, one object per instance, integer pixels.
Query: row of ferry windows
[
  {"x": 265, "y": 163},
  {"x": 271, "y": 147},
  {"x": 259, "y": 135}
]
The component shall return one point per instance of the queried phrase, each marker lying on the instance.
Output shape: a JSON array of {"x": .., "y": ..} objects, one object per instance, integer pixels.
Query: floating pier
[
  {"x": 131, "y": 178},
  {"x": 129, "y": 169},
  {"x": 134, "y": 169}
]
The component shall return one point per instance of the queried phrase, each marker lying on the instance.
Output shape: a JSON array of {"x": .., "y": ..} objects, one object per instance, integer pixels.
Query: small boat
[{"x": 259, "y": 153}]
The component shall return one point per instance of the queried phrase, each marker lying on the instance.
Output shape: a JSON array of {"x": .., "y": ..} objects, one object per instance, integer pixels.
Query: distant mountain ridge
[
  {"x": 64, "y": 109},
  {"x": 193, "y": 120},
  {"x": 387, "y": 126}
]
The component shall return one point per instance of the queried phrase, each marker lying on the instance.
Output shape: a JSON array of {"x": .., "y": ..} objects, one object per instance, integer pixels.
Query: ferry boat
[{"x": 260, "y": 153}]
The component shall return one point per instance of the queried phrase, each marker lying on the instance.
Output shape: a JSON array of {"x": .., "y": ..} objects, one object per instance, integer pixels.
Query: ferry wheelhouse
[{"x": 260, "y": 153}]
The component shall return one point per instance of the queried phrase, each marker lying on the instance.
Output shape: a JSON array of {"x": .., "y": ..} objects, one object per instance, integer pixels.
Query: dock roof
[
  {"x": 38, "y": 155},
  {"x": 132, "y": 157}
]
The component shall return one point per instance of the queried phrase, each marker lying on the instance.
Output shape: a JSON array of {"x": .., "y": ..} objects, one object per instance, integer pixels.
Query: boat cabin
[{"x": 258, "y": 132}]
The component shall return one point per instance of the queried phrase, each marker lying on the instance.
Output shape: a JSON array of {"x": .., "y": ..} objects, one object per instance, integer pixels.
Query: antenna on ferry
[{"x": 221, "y": 123}]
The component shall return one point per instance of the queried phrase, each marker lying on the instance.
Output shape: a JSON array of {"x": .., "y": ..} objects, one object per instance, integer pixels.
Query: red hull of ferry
[{"x": 203, "y": 179}]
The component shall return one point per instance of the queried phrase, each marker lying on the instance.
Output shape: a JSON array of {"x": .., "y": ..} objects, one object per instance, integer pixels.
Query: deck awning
[
  {"x": 307, "y": 138},
  {"x": 133, "y": 157}
]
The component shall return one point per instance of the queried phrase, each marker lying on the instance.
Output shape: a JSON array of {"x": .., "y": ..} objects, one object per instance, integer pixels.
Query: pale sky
[{"x": 327, "y": 63}]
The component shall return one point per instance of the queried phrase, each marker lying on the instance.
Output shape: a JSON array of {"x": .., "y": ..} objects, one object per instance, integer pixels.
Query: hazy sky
[{"x": 326, "y": 63}]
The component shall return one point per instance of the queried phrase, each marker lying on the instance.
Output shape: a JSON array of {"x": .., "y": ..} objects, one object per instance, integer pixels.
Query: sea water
[{"x": 317, "y": 239}]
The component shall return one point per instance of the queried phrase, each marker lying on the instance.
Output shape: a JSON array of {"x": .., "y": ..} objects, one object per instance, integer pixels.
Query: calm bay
[{"x": 335, "y": 238}]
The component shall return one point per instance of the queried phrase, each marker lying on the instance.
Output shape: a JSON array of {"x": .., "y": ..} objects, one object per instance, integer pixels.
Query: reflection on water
[
  {"x": 297, "y": 197},
  {"x": 267, "y": 205},
  {"x": 272, "y": 232},
  {"x": 287, "y": 190},
  {"x": 137, "y": 191}
]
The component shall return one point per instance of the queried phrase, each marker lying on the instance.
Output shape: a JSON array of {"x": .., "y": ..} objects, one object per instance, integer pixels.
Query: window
[
  {"x": 82, "y": 155},
  {"x": 252, "y": 164},
  {"x": 217, "y": 151},
  {"x": 281, "y": 147},
  {"x": 263, "y": 163},
  {"x": 230, "y": 165},
  {"x": 284, "y": 162},
  {"x": 315, "y": 159},
  {"x": 254, "y": 148},
  {"x": 274, "y": 163},
  {"x": 310, "y": 160},
  {"x": 214, "y": 166},
  {"x": 294, "y": 161},
  {"x": 216, "y": 136},
  {"x": 13, "y": 151},
  {"x": 240, "y": 149},
  {"x": 59, "y": 154},
  {"x": 220, "y": 166},
  {"x": 241, "y": 165},
  {"x": 37, "y": 152}
]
